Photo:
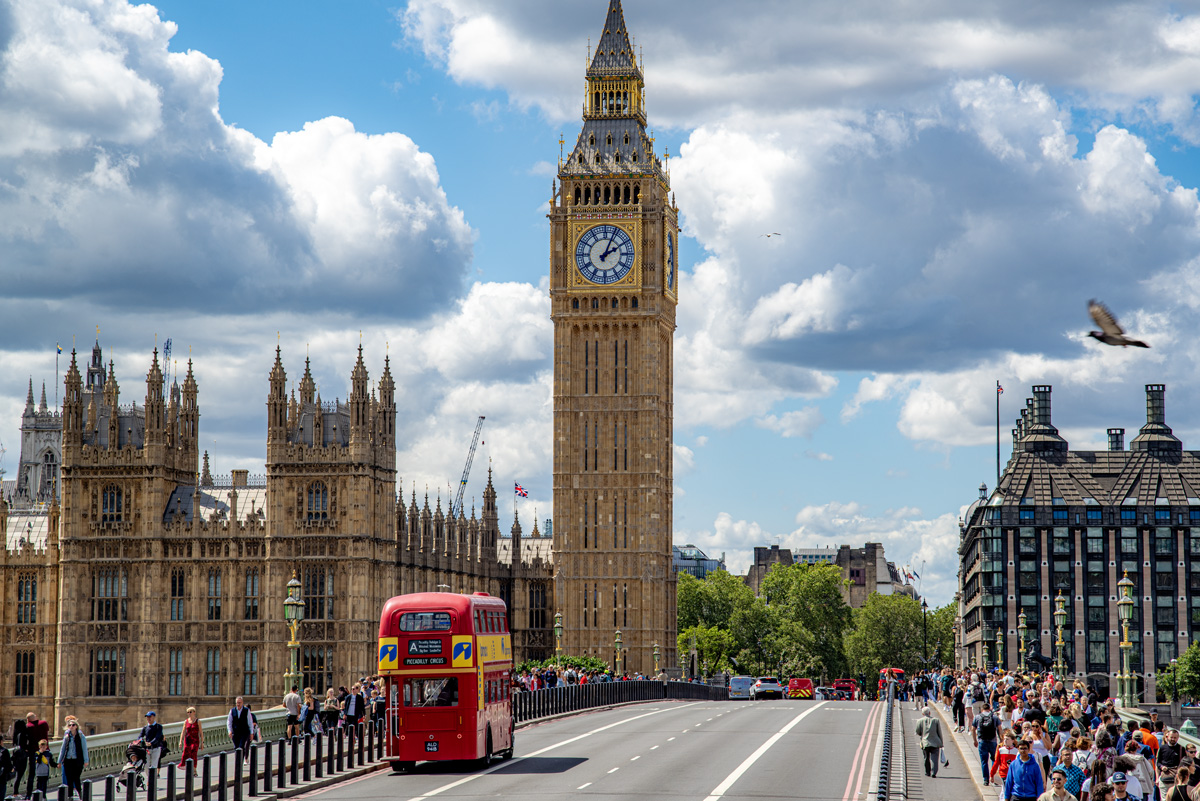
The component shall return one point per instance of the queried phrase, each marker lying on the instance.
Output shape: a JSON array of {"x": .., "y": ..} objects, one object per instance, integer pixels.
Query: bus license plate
[{"x": 431, "y": 746}]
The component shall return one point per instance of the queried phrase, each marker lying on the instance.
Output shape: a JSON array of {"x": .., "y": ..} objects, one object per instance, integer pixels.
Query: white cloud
[
  {"x": 799, "y": 423},
  {"x": 819, "y": 456}
]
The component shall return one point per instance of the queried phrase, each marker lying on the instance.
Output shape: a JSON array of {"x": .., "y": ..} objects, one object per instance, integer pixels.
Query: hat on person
[
  {"x": 1119, "y": 777},
  {"x": 1137, "y": 735},
  {"x": 1059, "y": 769},
  {"x": 150, "y": 714}
]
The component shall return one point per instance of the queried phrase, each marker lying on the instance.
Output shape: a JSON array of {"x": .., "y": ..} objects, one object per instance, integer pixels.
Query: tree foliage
[
  {"x": 887, "y": 633},
  {"x": 1188, "y": 673},
  {"x": 589, "y": 664}
]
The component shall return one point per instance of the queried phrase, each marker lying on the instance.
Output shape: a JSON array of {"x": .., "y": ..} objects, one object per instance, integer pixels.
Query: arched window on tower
[
  {"x": 318, "y": 502},
  {"x": 112, "y": 505},
  {"x": 578, "y": 195}
]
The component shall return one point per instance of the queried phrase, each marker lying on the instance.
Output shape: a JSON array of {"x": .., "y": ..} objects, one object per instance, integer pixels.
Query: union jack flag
[
  {"x": 999, "y": 389},
  {"x": 517, "y": 488}
]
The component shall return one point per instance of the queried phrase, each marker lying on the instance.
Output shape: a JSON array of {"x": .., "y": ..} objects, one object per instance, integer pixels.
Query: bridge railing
[
  {"x": 574, "y": 697},
  {"x": 885, "y": 755}
]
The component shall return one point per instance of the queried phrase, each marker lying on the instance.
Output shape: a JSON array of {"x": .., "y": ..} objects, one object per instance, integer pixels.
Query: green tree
[
  {"x": 810, "y": 597},
  {"x": 941, "y": 634},
  {"x": 714, "y": 647},
  {"x": 1188, "y": 672},
  {"x": 887, "y": 633},
  {"x": 710, "y": 602}
]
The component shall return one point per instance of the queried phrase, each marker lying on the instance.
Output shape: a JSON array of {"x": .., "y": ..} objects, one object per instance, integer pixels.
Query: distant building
[
  {"x": 866, "y": 569},
  {"x": 1075, "y": 523},
  {"x": 690, "y": 559}
]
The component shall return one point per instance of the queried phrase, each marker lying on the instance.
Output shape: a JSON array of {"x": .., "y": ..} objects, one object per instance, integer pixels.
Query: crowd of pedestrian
[
  {"x": 1042, "y": 739},
  {"x": 547, "y": 677}
]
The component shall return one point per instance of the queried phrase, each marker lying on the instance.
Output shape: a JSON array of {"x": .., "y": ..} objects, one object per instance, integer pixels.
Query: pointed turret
[
  {"x": 277, "y": 402},
  {"x": 516, "y": 539},
  {"x": 308, "y": 387},
  {"x": 360, "y": 402},
  {"x": 95, "y": 370},
  {"x": 42, "y": 408},
  {"x": 155, "y": 405},
  {"x": 318, "y": 440},
  {"x": 189, "y": 413},
  {"x": 614, "y": 54},
  {"x": 72, "y": 406},
  {"x": 206, "y": 479},
  {"x": 29, "y": 407}
]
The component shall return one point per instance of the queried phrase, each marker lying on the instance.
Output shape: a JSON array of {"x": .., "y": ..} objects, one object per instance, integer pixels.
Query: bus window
[
  {"x": 425, "y": 621},
  {"x": 431, "y": 692}
]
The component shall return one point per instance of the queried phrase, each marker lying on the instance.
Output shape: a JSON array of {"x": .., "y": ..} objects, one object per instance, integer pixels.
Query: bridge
[{"x": 701, "y": 747}]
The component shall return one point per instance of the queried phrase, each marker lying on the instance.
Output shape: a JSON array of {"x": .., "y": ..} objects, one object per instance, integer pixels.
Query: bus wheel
[
  {"x": 400, "y": 766},
  {"x": 487, "y": 754}
]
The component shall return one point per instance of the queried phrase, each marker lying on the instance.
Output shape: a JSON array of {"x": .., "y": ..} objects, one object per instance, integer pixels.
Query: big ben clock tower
[{"x": 614, "y": 285}]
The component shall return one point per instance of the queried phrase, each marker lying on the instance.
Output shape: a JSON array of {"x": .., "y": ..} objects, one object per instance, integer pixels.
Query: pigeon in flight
[
  {"x": 768, "y": 236},
  {"x": 1110, "y": 332}
]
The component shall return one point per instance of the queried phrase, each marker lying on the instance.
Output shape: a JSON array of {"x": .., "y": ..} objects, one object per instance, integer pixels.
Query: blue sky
[{"x": 952, "y": 185}]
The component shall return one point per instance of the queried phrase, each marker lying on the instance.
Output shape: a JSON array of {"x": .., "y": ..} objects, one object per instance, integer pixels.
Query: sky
[{"x": 951, "y": 183}]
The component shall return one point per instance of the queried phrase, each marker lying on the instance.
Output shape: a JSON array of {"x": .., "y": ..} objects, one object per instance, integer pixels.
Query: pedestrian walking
[
  {"x": 291, "y": 702},
  {"x": 152, "y": 737},
  {"x": 43, "y": 761},
  {"x": 191, "y": 741},
  {"x": 32, "y": 731},
  {"x": 929, "y": 729},
  {"x": 73, "y": 756},
  {"x": 1058, "y": 790},
  {"x": 6, "y": 768},
  {"x": 310, "y": 714},
  {"x": 331, "y": 709},
  {"x": 958, "y": 709},
  {"x": 238, "y": 725},
  {"x": 1024, "y": 781},
  {"x": 985, "y": 736}
]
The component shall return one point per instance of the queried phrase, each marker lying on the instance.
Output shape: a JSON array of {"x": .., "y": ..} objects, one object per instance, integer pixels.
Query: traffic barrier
[
  {"x": 575, "y": 697},
  {"x": 885, "y": 755}
]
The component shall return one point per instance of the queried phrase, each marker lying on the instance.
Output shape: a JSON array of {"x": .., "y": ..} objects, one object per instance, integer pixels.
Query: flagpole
[
  {"x": 57, "y": 350},
  {"x": 999, "y": 390}
]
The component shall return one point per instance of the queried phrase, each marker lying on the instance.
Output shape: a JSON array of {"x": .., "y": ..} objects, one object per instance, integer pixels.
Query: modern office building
[
  {"x": 690, "y": 559},
  {"x": 1074, "y": 523}
]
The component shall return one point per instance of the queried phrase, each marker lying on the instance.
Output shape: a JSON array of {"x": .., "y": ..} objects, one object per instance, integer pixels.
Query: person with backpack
[
  {"x": 985, "y": 731},
  {"x": 6, "y": 768}
]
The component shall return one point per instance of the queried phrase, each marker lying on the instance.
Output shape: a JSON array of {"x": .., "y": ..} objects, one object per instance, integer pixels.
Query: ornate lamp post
[
  {"x": 1022, "y": 629},
  {"x": 925, "y": 631},
  {"x": 1174, "y": 688},
  {"x": 656, "y": 659},
  {"x": 1000, "y": 645},
  {"x": 985, "y": 645},
  {"x": 293, "y": 615},
  {"x": 617, "y": 646},
  {"x": 1060, "y": 620},
  {"x": 558, "y": 639},
  {"x": 1125, "y": 612}
]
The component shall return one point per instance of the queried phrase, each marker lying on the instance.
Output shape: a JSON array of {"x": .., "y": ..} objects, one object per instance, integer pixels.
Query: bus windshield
[{"x": 441, "y": 691}]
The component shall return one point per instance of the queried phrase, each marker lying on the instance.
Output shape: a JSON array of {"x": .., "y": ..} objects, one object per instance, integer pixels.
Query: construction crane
[{"x": 456, "y": 509}]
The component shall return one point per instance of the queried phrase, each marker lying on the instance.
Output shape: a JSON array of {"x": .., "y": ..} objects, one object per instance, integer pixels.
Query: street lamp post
[
  {"x": 1000, "y": 645},
  {"x": 558, "y": 639},
  {"x": 985, "y": 645},
  {"x": 617, "y": 645},
  {"x": 1125, "y": 612},
  {"x": 656, "y": 659},
  {"x": 925, "y": 630},
  {"x": 1175, "y": 689},
  {"x": 1060, "y": 620},
  {"x": 1022, "y": 629},
  {"x": 293, "y": 615}
]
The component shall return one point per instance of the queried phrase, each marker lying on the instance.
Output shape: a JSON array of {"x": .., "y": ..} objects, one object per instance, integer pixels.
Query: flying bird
[
  {"x": 768, "y": 236},
  {"x": 1110, "y": 332}
]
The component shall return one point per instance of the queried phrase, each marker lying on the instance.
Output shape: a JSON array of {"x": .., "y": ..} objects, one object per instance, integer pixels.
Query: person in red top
[
  {"x": 28, "y": 738},
  {"x": 1004, "y": 754}
]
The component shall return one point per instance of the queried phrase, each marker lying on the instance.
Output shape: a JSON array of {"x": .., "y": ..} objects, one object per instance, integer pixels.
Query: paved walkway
[{"x": 957, "y": 781}]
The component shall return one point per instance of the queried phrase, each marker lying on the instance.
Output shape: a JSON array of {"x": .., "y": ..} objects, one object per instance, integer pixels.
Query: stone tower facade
[
  {"x": 148, "y": 583},
  {"x": 614, "y": 288}
]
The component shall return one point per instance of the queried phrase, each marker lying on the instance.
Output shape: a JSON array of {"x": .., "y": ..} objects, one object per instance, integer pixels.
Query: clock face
[
  {"x": 604, "y": 254},
  {"x": 670, "y": 260}
]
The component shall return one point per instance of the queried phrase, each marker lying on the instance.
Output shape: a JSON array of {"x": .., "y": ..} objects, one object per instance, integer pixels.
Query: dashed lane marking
[
  {"x": 653, "y": 747},
  {"x": 636, "y": 758},
  {"x": 585, "y": 784},
  {"x": 724, "y": 786},
  {"x": 669, "y": 739},
  {"x": 614, "y": 770}
]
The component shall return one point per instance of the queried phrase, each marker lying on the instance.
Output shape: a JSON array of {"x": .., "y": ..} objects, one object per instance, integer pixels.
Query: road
[{"x": 706, "y": 751}]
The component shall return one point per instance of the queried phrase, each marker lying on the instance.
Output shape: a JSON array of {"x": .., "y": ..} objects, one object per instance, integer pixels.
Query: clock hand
[{"x": 611, "y": 248}]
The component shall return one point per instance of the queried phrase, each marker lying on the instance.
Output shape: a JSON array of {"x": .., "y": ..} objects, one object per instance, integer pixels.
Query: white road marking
[
  {"x": 724, "y": 786},
  {"x": 669, "y": 739},
  {"x": 614, "y": 770},
  {"x": 653, "y": 747},
  {"x": 568, "y": 741},
  {"x": 636, "y": 758},
  {"x": 580, "y": 787},
  {"x": 708, "y": 721}
]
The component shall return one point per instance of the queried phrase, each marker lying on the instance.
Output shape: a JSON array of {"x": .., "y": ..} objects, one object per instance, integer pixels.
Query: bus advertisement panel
[{"x": 447, "y": 663}]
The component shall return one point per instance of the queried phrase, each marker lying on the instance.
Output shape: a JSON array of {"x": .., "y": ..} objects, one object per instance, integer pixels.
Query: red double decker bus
[{"x": 447, "y": 661}]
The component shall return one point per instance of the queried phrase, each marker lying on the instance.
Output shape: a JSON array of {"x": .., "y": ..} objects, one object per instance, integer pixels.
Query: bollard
[
  {"x": 371, "y": 740},
  {"x": 206, "y": 778},
  {"x": 252, "y": 790},
  {"x": 358, "y": 737},
  {"x": 341, "y": 747},
  {"x": 329, "y": 758},
  {"x": 267, "y": 769},
  {"x": 281, "y": 768},
  {"x": 237, "y": 775},
  {"x": 189, "y": 780},
  {"x": 170, "y": 781},
  {"x": 110, "y": 788},
  {"x": 152, "y": 784},
  {"x": 62, "y": 792},
  {"x": 381, "y": 730},
  {"x": 222, "y": 775},
  {"x": 37, "y": 796},
  {"x": 295, "y": 777},
  {"x": 320, "y": 739},
  {"x": 130, "y": 787},
  {"x": 308, "y": 757},
  {"x": 85, "y": 790}
]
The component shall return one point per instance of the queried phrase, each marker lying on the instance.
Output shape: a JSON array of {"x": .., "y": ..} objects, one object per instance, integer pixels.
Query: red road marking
[{"x": 858, "y": 765}]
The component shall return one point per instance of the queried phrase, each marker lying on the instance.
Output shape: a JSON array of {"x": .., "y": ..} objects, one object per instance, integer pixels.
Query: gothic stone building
[
  {"x": 613, "y": 288},
  {"x": 143, "y": 583}
]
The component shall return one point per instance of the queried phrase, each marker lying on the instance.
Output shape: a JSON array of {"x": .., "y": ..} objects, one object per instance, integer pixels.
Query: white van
[{"x": 739, "y": 686}]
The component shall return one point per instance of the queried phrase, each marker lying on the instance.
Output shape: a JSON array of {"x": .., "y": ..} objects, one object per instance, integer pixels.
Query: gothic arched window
[
  {"x": 112, "y": 505},
  {"x": 318, "y": 501}
]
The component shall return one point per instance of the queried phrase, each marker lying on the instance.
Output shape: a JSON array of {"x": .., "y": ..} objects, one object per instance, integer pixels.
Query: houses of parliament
[{"x": 134, "y": 579}]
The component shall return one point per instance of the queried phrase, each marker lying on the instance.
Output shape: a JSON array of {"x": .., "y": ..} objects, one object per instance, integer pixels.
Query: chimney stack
[
  {"x": 1040, "y": 433},
  {"x": 1116, "y": 439},
  {"x": 1156, "y": 435}
]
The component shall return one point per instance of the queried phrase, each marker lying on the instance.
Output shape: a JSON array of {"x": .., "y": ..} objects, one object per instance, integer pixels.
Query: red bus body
[{"x": 447, "y": 661}]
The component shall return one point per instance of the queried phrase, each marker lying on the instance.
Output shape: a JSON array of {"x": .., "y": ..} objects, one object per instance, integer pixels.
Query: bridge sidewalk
[{"x": 959, "y": 780}]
